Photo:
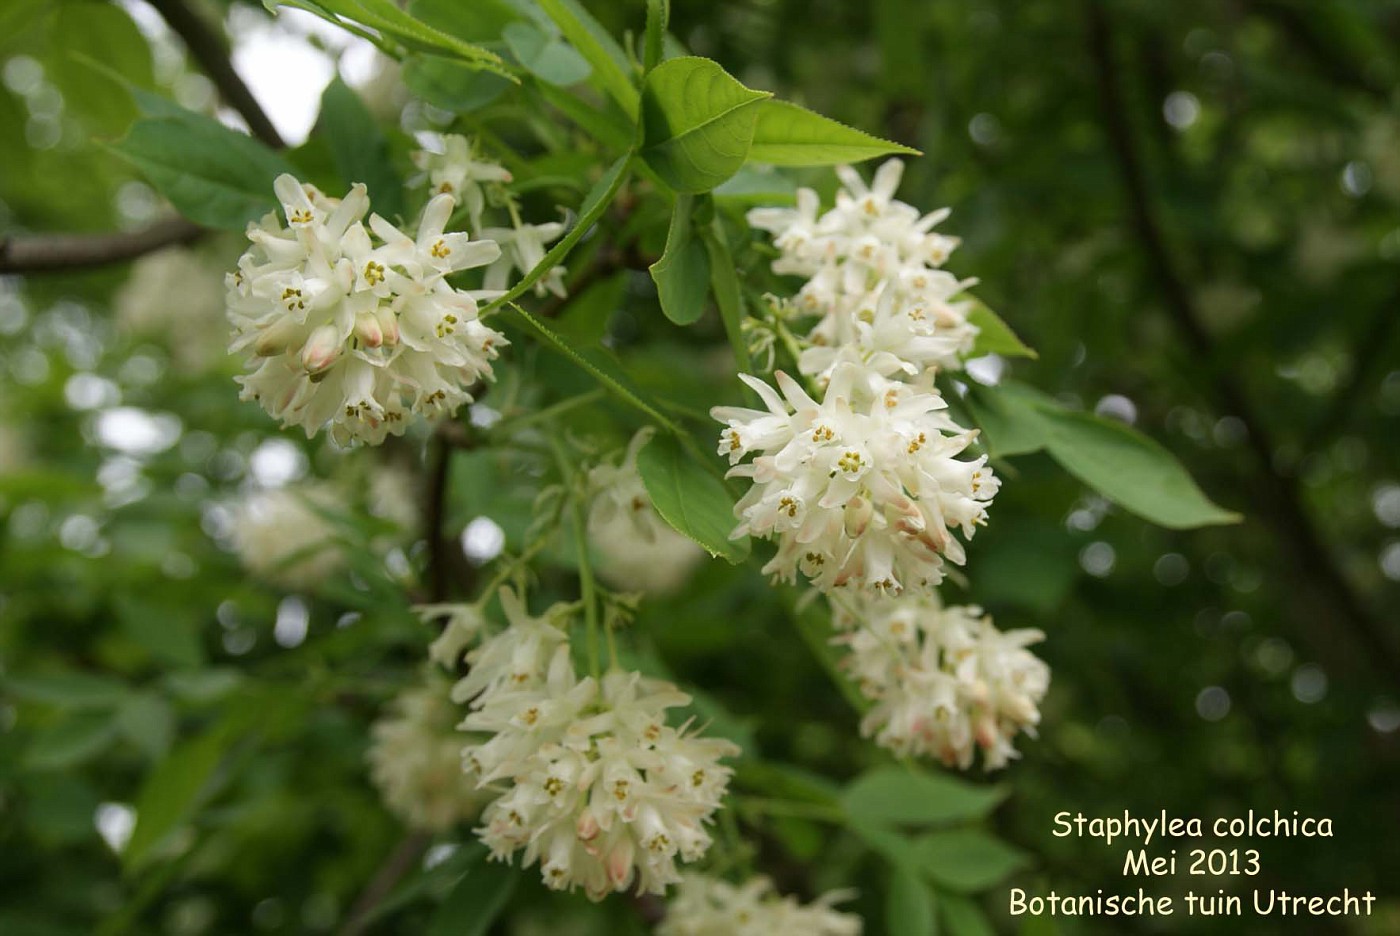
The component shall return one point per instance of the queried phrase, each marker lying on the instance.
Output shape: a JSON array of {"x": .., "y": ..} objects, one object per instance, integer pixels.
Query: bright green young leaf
[
  {"x": 546, "y": 56},
  {"x": 1129, "y": 469},
  {"x": 908, "y": 904},
  {"x": 359, "y": 148},
  {"x": 67, "y": 690},
  {"x": 789, "y": 135},
  {"x": 610, "y": 64},
  {"x": 697, "y": 123},
  {"x": 966, "y": 860},
  {"x": 212, "y": 175},
  {"x": 963, "y": 917},
  {"x": 689, "y": 498},
  {"x": 77, "y": 738},
  {"x": 451, "y": 85},
  {"x": 172, "y": 792},
  {"x": 899, "y": 796},
  {"x": 682, "y": 275},
  {"x": 994, "y": 336},
  {"x": 654, "y": 45},
  {"x": 476, "y": 900}
]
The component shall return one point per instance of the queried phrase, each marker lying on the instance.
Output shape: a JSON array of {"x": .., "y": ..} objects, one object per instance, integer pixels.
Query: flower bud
[
  {"x": 322, "y": 349},
  {"x": 388, "y": 321},
  {"x": 368, "y": 329},
  {"x": 277, "y": 338}
]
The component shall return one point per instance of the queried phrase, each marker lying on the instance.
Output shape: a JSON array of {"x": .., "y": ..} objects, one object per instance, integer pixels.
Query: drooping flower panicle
[
  {"x": 710, "y": 906},
  {"x": 355, "y": 328},
  {"x": 944, "y": 680},
  {"x": 862, "y": 489}
]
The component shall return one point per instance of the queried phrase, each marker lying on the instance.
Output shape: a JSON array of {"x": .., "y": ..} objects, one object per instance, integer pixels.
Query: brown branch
[
  {"x": 1278, "y": 493},
  {"x": 210, "y": 49},
  {"x": 50, "y": 252},
  {"x": 399, "y": 862}
]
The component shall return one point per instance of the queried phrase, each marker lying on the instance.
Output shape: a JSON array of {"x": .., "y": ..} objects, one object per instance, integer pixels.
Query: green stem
[
  {"x": 588, "y": 587},
  {"x": 549, "y": 412}
]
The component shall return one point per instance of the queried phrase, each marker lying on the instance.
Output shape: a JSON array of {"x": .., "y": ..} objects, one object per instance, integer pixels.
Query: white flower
[
  {"x": 597, "y": 788},
  {"x": 357, "y": 331},
  {"x": 873, "y": 278},
  {"x": 945, "y": 681},
  {"x": 522, "y": 248},
  {"x": 282, "y": 537},
  {"x": 862, "y": 489},
  {"x": 458, "y": 171},
  {"x": 709, "y": 906},
  {"x": 415, "y": 760},
  {"x": 637, "y": 550},
  {"x": 463, "y": 626},
  {"x": 177, "y": 295}
]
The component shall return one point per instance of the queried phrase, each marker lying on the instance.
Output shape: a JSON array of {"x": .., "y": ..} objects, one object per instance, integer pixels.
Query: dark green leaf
[
  {"x": 897, "y": 795},
  {"x": 476, "y": 900},
  {"x": 908, "y": 904},
  {"x": 146, "y": 719},
  {"x": 451, "y": 85},
  {"x": 1009, "y": 417},
  {"x": 788, "y": 135},
  {"x": 682, "y": 275},
  {"x": 724, "y": 280},
  {"x": 359, "y": 148},
  {"x": 173, "y": 791},
  {"x": 963, "y": 917},
  {"x": 77, "y": 738},
  {"x": 697, "y": 123},
  {"x": 966, "y": 860},
  {"x": 594, "y": 43},
  {"x": 689, "y": 498},
  {"x": 212, "y": 175},
  {"x": 67, "y": 690},
  {"x": 101, "y": 31},
  {"x": 1129, "y": 469}
]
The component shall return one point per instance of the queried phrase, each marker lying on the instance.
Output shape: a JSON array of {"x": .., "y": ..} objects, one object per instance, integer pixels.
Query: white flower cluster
[
  {"x": 637, "y": 550},
  {"x": 862, "y": 489},
  {"x": 353, "y": 327},
  {"x": 415, "y": 758},
  {"x": 708, "y": 906},
  {"x": 281, "y": 536},
  {"x": 944, "y": 681},
  {"x": 459, "y": 170},
  {"x": 597, "y": 788},
  {"x": 177, "y": 296},
  {"x": 874, "y": 278}
]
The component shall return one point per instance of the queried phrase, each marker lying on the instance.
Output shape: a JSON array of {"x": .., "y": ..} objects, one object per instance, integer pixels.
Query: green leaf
[
  {"x": 476, "y": 900},
  {"x": 101, "y": 31},
  {"x": 67, "y": 690},
  {"x": 450, "y": 84},
  {"x": 173, "y": 791},
  {"x": 654, "y": 44},
  {"x": 963, "y": 917},
  {"x": 212, "y": 175},
  {"x": 584, "y": 320},
  {"x": 789, "y": 135},
  {"x": 545, "y": 56},
  {"x": 994, "y": 336},
  {"x": 77, "y": 738},
  {"x": 1129, "y": 469},
  {"x": 729, "y": 296},
  {"x": 897, "y": 795},
  {"x": 689, "y": 498},
  {"x": 359, "y": 148},
  {"x": 682, "y": 275},
  {"x": 908, "y": 904},
  {"x": 1009, "y": 417},
  {"x": 697, "y": 123},
  {"x": 147, "y": 721},
  {"x": 610, "y": 63},
  {"x": 480, "y": 21},
  {"x": 966, "y": 860}
]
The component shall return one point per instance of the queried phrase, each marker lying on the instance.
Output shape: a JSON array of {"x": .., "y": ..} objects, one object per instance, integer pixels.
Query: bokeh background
[{"x": 1191, "y": 209}]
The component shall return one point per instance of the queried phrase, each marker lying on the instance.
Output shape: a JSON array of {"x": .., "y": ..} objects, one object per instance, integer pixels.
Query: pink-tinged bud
[
  {"x": 620, "y": 864},
  {"x": 986, "y": 731},
  {"x": 587, "y": 826},
  {"x": 388, "y": 325},
  {"x": 368, "y": 330},
  {"x": 322, "y": 349},
  {"x": 277, "y": 338}
]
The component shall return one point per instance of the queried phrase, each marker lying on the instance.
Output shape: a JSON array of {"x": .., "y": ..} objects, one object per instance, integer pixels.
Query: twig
[
  {"x": 399, "y": 863},
  {"x": 209, "y": 49},
  {"x": 1278, "y": 492},
  {"x": 48, "y": 253}
]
